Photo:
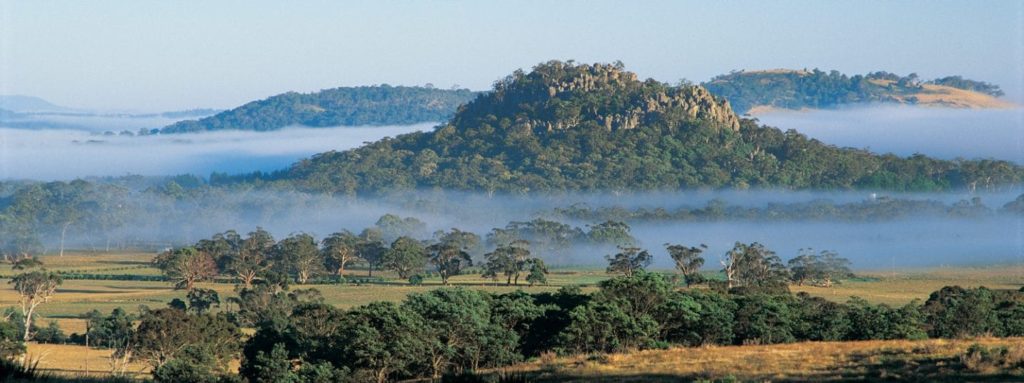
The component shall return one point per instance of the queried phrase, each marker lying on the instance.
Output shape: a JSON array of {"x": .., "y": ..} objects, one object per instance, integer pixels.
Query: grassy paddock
[
  {"x": 926, "y": 360},
  {"x": 79, "y": 361}
]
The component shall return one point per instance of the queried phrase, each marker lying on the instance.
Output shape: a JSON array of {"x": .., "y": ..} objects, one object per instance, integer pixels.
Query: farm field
[{"x": 78, "y": 296}]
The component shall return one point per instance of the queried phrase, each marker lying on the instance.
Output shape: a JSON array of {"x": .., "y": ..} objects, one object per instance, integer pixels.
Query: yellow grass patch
[
  {"x": 810, "y": 361},
  {"x": 75, "y": 360}
]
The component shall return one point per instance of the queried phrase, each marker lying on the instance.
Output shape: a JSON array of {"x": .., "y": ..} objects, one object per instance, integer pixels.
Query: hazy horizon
[{"x": 152, "y": 56}]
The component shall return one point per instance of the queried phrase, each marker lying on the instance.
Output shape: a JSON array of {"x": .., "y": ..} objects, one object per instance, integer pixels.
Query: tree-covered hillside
[
  {"x": 797, "y": 89},
  {"x": 568, "y": 127},
  {"x": 351, "y": 106}
]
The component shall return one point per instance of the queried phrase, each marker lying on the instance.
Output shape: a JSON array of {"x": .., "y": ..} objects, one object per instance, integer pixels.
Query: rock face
[{"x": 564, "y": 95}]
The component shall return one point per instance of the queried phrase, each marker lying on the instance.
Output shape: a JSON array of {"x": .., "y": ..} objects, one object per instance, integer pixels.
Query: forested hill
[
  {"x": 351, "y": 106},
  {"x": 570, "y": 127},
  {"x": 755, "y": 91}
]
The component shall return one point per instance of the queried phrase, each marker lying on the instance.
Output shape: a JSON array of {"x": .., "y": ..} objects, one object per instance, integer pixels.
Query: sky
[{"x": 172, "y": 55}]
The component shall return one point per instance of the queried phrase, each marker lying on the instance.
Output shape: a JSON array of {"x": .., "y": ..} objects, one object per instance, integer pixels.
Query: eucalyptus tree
[
  {"x": 339, "y": 250},
  {"x": 753, "y": 265},
  {"x": 511, "y": 261},
  {"x": 628, "y": 261},
  {"x": 406, "y": 257},
  {"x": 450, "y": 254},
  {"x": 688, "y": 261},
  {"x": 253, "y": 258},
  {"x": 186, "y": 266},
  {"x": 300, "y": 256},
  {"x": 34, "y": 288}
]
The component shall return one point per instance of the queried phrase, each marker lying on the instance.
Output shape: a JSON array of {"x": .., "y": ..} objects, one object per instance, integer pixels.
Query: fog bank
[
  {"x": 67, "y": 154},
  {"x": 905, "y": 130},
  {"x": 912, "y": 240}
]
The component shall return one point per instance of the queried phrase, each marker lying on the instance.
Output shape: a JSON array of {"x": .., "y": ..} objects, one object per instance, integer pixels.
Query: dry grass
[
  {"x": 74, "y": 360},
  {"x": 926, "y": 360},
  {"x": 94, "y": 262},
  {"x": 930, "y": 95},
  {"x": 904, "y": 286},
  {"x": 939, "y": 95}
]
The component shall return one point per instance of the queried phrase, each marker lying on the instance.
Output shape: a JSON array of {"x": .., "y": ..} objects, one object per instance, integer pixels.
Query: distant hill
[
  {"x": 579, "y": 127},
  {"x": 350, "y": 106},
  {"x": 18, "y": 103},
  {"x": 759, "y": 91}
]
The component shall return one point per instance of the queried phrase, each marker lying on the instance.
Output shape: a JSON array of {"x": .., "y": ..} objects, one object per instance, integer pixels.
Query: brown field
[
  {"x": 76, "y": 297},
  {"x": 74, "y": 360},
  {"x": 927, "y": 360}
]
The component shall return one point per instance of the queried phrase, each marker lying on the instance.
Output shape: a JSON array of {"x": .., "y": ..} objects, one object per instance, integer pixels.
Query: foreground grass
[{"x": 898, "y": 360}]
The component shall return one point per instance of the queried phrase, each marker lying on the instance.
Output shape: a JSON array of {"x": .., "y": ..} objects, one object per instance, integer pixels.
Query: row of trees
[
  {"x": 298, "y": 338},
  {"x": 872, "y": 209},
  {"x": 751, "y": 267},
  {"x": 391, "y": 244}
]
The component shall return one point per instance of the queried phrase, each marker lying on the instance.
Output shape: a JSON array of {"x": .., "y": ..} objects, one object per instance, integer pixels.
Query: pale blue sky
[{"x": 149, "y": 55}]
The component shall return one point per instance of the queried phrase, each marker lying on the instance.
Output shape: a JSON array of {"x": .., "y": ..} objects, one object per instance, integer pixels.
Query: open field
[
  {"x": 805, "y": 361},
  {"x": 79, "y": 361},
  {"x": 898, "y": 360}
]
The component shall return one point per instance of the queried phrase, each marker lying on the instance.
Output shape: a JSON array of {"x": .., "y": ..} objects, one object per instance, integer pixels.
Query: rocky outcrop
[{"x": 567, "y": 95}]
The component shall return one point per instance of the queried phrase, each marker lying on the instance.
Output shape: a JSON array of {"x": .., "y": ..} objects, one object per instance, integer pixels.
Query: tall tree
[
  {"x": 341, "y": 249},
  {"x": 371, "y": 249},
  {"x": 301, "y": 256},
  {"x": 34, "y": 288},
  {"x": 451, "y": 252},
  {"x": 509, "y": 260},
  {"x": 186, "y": 266},
  {"x": 820, "y": 269},
  {"x": 628, "y": 261},
  {"x": 405, "y": 257},
  {"x": 754, "y": 265},
  {"x": 253, "y": 258},
  {"x": 537, "y": 271},
  {"x": 688, "y": 261},
  {"x": 222, "y": 247}
]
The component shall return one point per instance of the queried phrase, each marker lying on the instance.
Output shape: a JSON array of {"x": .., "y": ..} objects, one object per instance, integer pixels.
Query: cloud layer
[
  {"x": 67, "y": 154},
  {"x": 903, "y": 130}
]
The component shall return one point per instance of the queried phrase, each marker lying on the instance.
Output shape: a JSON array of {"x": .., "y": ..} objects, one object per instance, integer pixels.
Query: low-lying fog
[
  {"x": 67, "y": 154},
  {"x": 90, "y": 121},
  {"x": 909, "y": 241},
  {"x": 905, "y": 130}
]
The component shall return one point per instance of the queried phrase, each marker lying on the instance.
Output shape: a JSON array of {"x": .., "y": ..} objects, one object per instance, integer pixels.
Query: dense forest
[
  {"x": 347, "y": 106},
  {"x": 797, "y": 89},
  {"x": 577, "y": 127}
]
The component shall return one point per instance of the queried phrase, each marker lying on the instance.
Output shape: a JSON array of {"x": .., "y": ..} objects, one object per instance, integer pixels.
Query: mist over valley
[{"x": 52, "y": 154}]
